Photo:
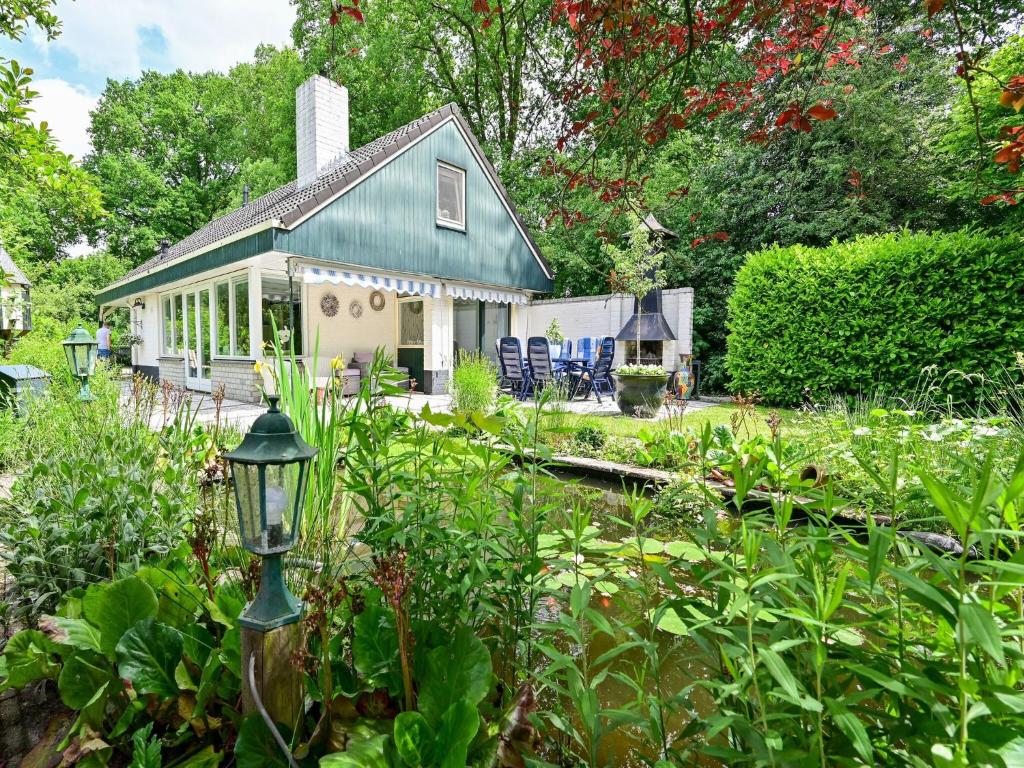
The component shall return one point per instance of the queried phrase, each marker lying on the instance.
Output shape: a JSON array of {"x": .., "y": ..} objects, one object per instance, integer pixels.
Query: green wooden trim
[{"x": 229, "y": 253}]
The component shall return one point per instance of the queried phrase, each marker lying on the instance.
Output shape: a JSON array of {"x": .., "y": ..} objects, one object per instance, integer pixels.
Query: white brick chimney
[{"x": 321, "y": 126}]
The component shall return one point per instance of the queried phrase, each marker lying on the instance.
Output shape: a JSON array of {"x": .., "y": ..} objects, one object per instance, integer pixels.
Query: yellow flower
[
  {"x": 337, "y": 364},
  {"x": 258, "y": 367}
]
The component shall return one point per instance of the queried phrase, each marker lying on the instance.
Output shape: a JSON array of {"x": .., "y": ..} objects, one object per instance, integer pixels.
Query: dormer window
[{"x": 451, "y": 196}]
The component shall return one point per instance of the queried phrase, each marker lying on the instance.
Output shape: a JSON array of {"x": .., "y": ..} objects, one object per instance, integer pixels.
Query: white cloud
[
  {"x": 65, "y": 107},
  {"x": 103, "y": 35}
]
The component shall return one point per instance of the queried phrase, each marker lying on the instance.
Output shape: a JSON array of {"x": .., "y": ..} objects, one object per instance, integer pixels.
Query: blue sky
[{"x": 119, "y": 39}]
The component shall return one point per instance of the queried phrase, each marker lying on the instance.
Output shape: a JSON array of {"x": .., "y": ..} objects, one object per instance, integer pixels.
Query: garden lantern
[
  {"x": 80, "y": 349},
  {"x": 270, "y": 470}
]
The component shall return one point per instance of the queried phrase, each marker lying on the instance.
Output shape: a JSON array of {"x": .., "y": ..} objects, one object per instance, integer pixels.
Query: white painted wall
[
  {"x": 604, "y": 316},
  {"x": 146, "y": 323},
  {"x": 344, "y": 335}
]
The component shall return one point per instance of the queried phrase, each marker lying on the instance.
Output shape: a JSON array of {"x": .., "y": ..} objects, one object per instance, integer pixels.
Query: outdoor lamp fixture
[
  {"x": 270, "y": 469},
  {"x": 139, "y": 304},
  {"x": 80, "y": 349}
]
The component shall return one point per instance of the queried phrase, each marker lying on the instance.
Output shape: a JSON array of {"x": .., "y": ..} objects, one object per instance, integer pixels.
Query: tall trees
[
  {"x": 493, "y": 60},
  {"x": 165, "y": 151},
  {"x": 46, "y": 202}
]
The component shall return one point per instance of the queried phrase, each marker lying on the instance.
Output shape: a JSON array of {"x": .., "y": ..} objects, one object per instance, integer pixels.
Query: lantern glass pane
[
  {"x": 283, "y": 484},
  {"x": 267, "y": 526},
  {"x": 90, "y": 358},
  {"x": 247, "y": 493},
  {"x": 69, "y": 352}
]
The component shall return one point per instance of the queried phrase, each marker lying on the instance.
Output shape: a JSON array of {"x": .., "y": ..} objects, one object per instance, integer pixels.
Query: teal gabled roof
[{"x": 290, "y": 210}]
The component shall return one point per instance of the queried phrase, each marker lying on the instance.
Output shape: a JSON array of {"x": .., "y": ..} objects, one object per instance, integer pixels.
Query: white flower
[
  {"x": 932, "y": 436},
  {"x": 578, "y": 558},
  {"x": 981, "y": 430},
  {"x": 861, "y": 431}
]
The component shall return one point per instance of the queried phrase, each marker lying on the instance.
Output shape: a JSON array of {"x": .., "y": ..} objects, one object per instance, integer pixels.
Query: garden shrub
[
  {"x": 875, "y": 312},
  {"x": 101, "y": 497},
  {"x": 474, "y": 384}
]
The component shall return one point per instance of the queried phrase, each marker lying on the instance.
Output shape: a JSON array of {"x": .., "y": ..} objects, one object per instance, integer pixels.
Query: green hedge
[{"x": 874, "y": 312}]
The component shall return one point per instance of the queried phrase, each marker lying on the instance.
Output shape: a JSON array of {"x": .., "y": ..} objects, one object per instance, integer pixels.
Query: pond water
[{"x": 682, "y": 661}]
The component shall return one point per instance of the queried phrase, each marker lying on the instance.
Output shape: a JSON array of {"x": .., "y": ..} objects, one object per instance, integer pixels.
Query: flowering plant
[{"x": 634, "y": 369}]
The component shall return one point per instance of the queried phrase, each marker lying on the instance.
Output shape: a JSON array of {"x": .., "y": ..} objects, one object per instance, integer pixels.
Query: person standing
[{"x": 103, "y": 340}]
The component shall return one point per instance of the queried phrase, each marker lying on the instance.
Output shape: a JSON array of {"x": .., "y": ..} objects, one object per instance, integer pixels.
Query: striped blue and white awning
[
  {"x": 494, "y": 295},
  {"x": 415, "y": 286}
]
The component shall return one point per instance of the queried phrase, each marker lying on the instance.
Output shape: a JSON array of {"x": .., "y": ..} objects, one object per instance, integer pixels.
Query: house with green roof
[{"x": 410, "y": 243}]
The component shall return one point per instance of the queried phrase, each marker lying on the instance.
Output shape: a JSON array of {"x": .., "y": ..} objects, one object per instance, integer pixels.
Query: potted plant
[
  {"x": 555, "y": 337},
  {"x": 637, "y": 270}
]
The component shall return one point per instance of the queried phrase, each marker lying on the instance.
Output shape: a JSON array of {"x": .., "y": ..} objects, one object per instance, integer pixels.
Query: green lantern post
[
  {"x": 270, "y": 470},
  {"x": 80, "y": 348}
]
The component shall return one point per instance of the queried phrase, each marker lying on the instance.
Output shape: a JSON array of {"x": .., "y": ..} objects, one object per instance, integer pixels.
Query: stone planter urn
[{"x": 639, "y": 395}]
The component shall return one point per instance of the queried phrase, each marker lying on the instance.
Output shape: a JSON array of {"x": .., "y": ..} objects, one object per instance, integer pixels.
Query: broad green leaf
[
  {"x": 375, "y": 648},
  {"x": 116, "y": 607},
  {"x": 370, "y": 752},
  {"x": 461, "y": 669},
  {"x": 80, "y": 678},
  {"x": 147, "y": 655},
  {"x": 256, "y": 747},
  {"x": 29, "y": 656},
  {"x": 458, "y": 727},
  {"x": 80, "y": 634},
  {"x": 414, "y": 739}
]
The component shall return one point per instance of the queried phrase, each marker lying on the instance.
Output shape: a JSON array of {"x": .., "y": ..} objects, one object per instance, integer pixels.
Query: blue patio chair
[
  {"x": 585, "y": 348},
  {"x": 598, "y": 377},
  {"x": 538, "y": 356},
  {"x": 515, "y": 378}
]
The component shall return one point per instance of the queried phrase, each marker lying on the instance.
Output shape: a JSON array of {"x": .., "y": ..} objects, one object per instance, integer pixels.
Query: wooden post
[{"x": 277, "y": 681}]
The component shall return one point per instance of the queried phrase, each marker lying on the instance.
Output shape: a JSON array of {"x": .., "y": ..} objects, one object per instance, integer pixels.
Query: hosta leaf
[{"x": 147, "y": 655}]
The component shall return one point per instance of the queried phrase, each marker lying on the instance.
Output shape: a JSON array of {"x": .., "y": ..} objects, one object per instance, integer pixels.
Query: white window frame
[
  {"x": 211, "y": 343},
  {"x": 176, "y": 343},
  {"x": 235, "y": 353},
  {"x": 444, "y": 221}
]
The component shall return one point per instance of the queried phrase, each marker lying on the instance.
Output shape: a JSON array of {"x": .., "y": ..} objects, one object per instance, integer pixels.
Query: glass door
[{"x": 197, "y": 340}]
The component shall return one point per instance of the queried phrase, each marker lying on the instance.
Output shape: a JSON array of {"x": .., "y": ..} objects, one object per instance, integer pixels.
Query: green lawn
[{"x": 623, "y": 426}]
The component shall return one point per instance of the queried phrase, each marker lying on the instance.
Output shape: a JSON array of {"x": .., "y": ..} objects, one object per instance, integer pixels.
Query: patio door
[{"x": 198, "y": 335}]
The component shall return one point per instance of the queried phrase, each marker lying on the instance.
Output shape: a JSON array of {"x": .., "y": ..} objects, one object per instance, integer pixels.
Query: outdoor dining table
[{"x": 570, "y": 364}]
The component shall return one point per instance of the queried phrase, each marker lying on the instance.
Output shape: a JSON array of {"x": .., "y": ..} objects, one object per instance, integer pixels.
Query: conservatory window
[
  {"x": 232, "y": 301},
  {"x": 451, "y": 196}
]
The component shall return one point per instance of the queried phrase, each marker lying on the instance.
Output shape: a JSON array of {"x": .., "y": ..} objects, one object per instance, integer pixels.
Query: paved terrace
[{"x": 241, "y": 415}]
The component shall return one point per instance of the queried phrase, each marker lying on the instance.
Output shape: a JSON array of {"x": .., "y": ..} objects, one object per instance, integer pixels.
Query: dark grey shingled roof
[
  {"x": 289, "y": 203},
  {"x": 10, "y": 270}
]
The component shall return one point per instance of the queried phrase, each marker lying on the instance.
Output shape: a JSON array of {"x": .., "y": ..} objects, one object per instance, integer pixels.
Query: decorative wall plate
[
  {"x": 377, "y": 301},
  {"x": 329, "y": 305},
  {"x": 355, "y": 308}
]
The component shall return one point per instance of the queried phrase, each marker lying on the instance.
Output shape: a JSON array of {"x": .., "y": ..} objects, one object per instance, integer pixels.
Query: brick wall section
[
  {"x": 240, "y": 380},
  {"x": 172, "y": 370}
]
